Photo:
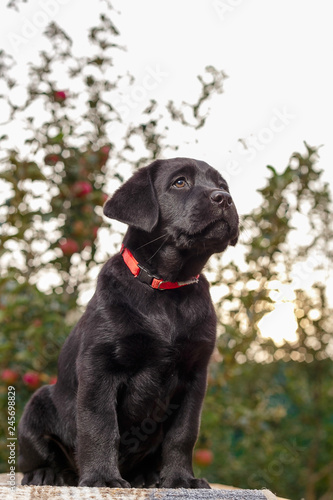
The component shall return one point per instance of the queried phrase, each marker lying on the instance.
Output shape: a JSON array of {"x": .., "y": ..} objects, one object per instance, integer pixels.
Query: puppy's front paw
[
  {"x": 183, "y": 481},
  {"x": 42, "y": 477},
  {"x": 199, "y": 483},
  {"x": 98, "y": 482}
]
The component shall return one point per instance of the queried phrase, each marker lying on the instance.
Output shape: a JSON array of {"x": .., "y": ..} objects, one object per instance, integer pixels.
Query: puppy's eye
[{"x": 180, "y": 183}]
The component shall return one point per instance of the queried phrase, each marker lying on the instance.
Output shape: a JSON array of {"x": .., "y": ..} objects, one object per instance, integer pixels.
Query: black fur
[{"x": 125, "y": 410}]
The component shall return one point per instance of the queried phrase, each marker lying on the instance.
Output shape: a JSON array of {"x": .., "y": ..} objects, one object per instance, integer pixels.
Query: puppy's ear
[{"x": 135, "y": 202}]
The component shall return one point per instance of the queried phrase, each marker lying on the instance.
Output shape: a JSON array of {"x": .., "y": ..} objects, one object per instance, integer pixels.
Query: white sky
[{"x": 276, "y": 53}]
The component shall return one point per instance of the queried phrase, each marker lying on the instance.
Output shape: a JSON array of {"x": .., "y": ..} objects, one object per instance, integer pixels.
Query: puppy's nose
[{"x": 221, "y": 198}]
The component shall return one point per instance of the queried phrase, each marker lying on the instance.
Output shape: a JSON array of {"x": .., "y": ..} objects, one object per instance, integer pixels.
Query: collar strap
[{"x": 143, "y": 275}]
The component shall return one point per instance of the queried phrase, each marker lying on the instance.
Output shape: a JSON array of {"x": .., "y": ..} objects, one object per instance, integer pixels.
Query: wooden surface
[{"x": 219, "y": 492}]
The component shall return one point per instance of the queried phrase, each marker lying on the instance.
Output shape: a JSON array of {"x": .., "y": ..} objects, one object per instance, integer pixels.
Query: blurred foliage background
[{"x": 268, "y": 414}]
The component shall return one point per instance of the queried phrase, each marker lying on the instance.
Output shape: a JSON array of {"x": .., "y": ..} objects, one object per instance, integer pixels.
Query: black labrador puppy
[{"x": 126, "y": 408}]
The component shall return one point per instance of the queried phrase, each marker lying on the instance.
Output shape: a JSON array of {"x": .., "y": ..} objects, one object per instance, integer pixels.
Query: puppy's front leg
[
  {"x": 98, "y": 434},
  {"x": 177, "y": 471}
]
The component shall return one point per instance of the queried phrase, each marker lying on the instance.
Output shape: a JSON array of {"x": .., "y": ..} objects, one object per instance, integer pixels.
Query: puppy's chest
[
  {"x": 158, "y": 369},
  {"x": 162, "y": 337},
  {"x": 160, "y": 353},
  {"x": 173, "y": 320}
]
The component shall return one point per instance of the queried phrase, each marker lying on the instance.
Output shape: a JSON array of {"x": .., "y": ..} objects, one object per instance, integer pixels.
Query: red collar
[{"x": 140, "y": 272}]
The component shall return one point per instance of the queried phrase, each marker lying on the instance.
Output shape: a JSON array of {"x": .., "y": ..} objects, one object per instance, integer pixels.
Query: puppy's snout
[{"x": 221, "y": 198}]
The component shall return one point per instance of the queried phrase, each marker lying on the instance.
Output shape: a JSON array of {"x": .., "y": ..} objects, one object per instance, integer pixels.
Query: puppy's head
[{"x": 184, "y": 198}]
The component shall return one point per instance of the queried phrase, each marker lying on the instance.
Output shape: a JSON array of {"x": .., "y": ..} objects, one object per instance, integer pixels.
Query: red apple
[
  {"x": 59, "y": 96},
  {"x": 105, "y": 150},
  {"x": 104, "y": 154},
  {"x": 51, "y": 159},
  {"x": 9, "y": 376},
  {"x": 81, "y": 189},
  {"x": 31, "y": 379},
  {"x": 203, "y": 457},
  {"x": 69, "y": 246},
  {"x": 53, "y": 380}
]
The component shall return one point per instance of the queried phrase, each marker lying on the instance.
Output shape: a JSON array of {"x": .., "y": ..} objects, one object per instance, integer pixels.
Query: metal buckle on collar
[
  {"x": 144, "y": 276},
  {"x": 159, "y": 284}
]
